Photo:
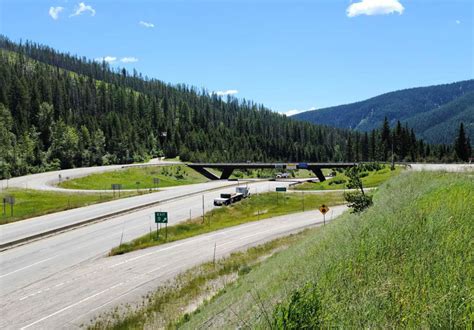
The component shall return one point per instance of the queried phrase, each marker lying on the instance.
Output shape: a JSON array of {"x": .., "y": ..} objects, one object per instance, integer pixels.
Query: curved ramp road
[
  {"x": 443, "y": 167},
  {"x": 71, "y": 296},
  {"x": 48, "y": 180}
]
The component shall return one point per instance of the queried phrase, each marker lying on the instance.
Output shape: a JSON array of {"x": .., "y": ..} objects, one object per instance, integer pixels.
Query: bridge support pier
[
  {"x": 319, "y": 173},
  {"x": 203, "y": 171},
  {"x": 227, "y": 173}
]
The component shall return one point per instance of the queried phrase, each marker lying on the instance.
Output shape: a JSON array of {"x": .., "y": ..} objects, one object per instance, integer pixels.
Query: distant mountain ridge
[{"x": 434, "y": 112}]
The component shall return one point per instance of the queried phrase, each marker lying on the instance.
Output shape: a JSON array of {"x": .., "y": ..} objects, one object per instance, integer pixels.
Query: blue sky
[{"x": 288, "y": 55}]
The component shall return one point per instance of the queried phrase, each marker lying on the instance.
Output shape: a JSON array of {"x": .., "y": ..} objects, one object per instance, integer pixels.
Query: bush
[
  {"x": 338, "y": 181},
  {"x": 358, "y": 201},
  {"x": 302, "y": 311}
]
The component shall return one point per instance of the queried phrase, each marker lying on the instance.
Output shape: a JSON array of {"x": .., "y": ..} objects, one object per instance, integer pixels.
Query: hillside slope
[
  {"x": 62, "y": 111},
  {"x": 407, "y": 105},
  {"x": 404, "y": 263},
  {"x": 440, "y": 125}
]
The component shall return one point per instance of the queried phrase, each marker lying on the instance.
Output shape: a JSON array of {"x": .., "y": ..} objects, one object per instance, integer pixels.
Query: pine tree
[{"x": 462, "y": 145}]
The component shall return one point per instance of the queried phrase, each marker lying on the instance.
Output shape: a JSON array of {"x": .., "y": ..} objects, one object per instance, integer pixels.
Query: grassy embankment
[
  {"x": 372, "y": 179},
  {"x": 254, "y": 208},
  {"x": 174, "y": 175},
  {"x": 181, "y": 296},
  {"x": 406, "y": 262},
  {"x": 271, "y": 173},
  {"x": 32, "y": 203}
]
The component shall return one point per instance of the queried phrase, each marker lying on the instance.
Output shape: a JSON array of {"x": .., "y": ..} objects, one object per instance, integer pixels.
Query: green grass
[
  {"x": 166, "y": 307},
  {"x": 271, "y": 173},
  {"x": 254, "y": 208},
  {"x": 169, "y": 176},
  {"x": 32, "y": 203},
  {"x": 373, "y": 179},
  {"x": 407, "y": 262}
]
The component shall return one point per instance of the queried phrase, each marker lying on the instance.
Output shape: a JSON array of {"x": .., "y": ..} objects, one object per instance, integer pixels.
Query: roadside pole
[
  {"x": 302, "y": 198},
  {"x": 324, "y": 209},
  {"x": 203, "y": 219}
]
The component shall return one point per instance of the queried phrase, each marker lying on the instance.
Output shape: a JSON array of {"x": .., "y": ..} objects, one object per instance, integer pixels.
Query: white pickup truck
[{"x": 227, "y": 199}]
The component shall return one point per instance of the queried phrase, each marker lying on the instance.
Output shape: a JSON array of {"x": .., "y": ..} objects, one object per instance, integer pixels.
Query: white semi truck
[{"x": 227, "y": 199}]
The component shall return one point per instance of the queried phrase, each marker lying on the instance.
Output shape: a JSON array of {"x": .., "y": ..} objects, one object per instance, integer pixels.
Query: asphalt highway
[
  {"x": 33, "y": 226},
  {"x": 53, "y": 284},
  {"x": 23, "y": 265}
]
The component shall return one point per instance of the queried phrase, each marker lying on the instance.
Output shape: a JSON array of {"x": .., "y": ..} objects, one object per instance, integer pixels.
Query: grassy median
[
  {"x": 371, "y": 179},
  {"x": 404, "y": 263},
  {"x": 137, "y": 178},
  {"x": 254, "y": 208},
  {"x": 32, "y": 203}
]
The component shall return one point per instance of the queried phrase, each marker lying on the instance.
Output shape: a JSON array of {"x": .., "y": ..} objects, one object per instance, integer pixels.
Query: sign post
[
  {"x": 8, "y": 200},
  {"x": 324, "y": 209},
  {"x": 280, "y": 189},
  {"x": 161, "y": 217},
  {"x": 156, "y": 182},
  {"x": 116, "y": 186}
]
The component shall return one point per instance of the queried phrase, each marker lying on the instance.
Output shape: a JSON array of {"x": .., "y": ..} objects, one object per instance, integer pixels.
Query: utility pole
[
  {"x": 203, "y": 209},
  {"x": 302, "y": 198},
  {"x": 392, "y": 167}
]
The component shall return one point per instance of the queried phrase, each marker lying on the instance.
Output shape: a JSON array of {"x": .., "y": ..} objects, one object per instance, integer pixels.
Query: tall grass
[
  {"x": 406, "y": 262},
  {"x": 31, "y": 203}
]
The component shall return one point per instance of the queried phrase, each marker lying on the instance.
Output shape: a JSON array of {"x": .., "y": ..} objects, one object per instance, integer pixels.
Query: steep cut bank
[{"x": 406, "y": 262}]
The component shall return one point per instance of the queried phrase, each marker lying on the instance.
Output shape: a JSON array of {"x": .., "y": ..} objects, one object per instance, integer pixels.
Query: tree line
[{"x": 62, "y": 111}]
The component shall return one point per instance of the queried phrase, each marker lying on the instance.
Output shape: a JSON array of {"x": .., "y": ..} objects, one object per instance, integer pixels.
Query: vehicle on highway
[
  {"x": 227, "y": 199},
  {"x": 283, "y": 175}
]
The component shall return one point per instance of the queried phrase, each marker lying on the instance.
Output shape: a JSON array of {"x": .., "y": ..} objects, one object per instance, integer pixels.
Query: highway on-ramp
[
  {"x": 49, "y": 180},
  {"x": 72, "y": 294}
]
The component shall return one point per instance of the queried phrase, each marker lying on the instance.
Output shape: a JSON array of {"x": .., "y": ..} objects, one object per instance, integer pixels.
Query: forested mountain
[
  {"x": 62, "y": 111},
  {"x": 434, "y": 112}
]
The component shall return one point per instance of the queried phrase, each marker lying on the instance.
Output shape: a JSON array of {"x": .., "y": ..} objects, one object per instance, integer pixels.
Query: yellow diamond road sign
[{"x": 324, "y": 209}]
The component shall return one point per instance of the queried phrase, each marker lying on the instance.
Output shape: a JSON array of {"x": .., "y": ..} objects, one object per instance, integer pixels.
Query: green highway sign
[
  {"x": 116, "y": 186},
  {"x": 280, "y": 189},
  {"x": 161, "y": 217}
]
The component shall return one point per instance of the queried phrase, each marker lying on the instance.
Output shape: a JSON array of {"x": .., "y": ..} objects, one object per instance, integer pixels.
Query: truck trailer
[{"x": 227, "y": 199}]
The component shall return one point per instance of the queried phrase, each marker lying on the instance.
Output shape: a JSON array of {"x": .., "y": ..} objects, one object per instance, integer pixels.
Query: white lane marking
[
  {"x": 66, "y": 308},
  {"x": 36, "y": 263}
]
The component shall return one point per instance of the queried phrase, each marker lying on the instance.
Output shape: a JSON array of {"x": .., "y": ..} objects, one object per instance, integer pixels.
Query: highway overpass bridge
[{"x": 228, "y": 168}]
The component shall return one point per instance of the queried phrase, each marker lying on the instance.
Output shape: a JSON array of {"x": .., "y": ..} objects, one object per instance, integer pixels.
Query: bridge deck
[{"x": 227, "y": 168}]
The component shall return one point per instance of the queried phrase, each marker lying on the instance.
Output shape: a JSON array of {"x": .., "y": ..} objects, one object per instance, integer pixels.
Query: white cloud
[
  {"x": 108, "y": 59},
  {"x": 293, "y": 112},
  {"x": 54, "y": 12},
  {"x": 458, "y": 21},
  {"x": 129, "y": 59},
  {"x": 81, "y": 8},
  {"x": 374, "y": 7},
  {"x": 227, "y": 92},
  {"x": 147, "y": 24}
]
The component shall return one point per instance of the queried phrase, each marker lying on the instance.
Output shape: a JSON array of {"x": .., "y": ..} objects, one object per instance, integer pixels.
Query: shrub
[{"x": 302, "y": 311}]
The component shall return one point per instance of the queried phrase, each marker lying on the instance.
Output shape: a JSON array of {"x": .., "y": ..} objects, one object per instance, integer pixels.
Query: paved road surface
[
  {"x": 74, "y": 292},
  {"x": 23, "y": 265},
  {"x": 29, "y": 227},
  {"x": 443, "y": 167}
]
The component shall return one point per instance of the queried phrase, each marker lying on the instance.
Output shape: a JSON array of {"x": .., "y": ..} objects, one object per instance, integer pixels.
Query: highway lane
[
  {"x": 443, "y": 167},
  {"x": 29, "y": 227},
  {"x": 23, "y": 265},
  {"x": 71, "y": 296}
]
